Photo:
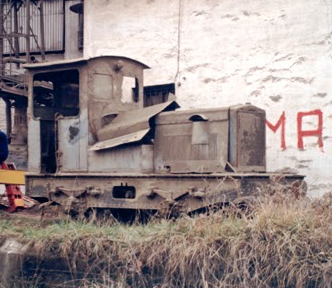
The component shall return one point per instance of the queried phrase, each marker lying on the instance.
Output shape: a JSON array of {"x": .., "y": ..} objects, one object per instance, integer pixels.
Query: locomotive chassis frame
[{"x": 179, "y": 193}]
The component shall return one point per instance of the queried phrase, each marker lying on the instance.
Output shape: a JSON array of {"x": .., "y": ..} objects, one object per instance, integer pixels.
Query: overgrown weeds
[{"x": 281, "y": 242}]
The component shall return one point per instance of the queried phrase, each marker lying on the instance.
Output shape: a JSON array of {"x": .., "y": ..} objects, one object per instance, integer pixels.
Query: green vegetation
[{"x": 281, "y": 242}]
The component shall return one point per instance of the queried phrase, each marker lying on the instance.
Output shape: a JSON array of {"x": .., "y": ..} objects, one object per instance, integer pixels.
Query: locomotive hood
[{"x": 130, "y": 126}]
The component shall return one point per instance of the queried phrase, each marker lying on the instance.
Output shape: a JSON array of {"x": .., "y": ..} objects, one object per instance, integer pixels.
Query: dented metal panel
[
  {"x": 129, "y": 122},
  {"x": 187, "y": 116},
  {"x": 125, "y": 139}
]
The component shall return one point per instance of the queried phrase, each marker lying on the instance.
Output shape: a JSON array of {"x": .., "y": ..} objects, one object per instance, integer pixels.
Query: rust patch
[{"x": 74, "y": 132}]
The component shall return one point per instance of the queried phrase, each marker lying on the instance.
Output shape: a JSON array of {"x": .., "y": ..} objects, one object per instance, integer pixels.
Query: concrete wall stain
[{"x": 276, "y": 98}]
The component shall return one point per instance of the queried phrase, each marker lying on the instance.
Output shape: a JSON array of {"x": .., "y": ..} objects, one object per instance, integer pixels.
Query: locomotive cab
[{"x": 70, "y": 102}]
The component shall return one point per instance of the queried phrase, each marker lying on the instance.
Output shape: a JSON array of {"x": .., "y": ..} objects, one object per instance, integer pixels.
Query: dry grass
[{"x": 282, "y": 242}]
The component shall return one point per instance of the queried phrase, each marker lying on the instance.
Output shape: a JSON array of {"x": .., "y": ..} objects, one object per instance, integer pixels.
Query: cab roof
[{"x": 43, "y": 65}]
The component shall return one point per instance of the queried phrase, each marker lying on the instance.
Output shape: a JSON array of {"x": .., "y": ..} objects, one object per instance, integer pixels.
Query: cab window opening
[
  {"x": 56, "y": 93},
  {"x": 130, "y": 90}
]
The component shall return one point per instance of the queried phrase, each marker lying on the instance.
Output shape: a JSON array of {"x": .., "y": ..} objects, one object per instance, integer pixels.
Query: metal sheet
[
  {"x": 187, "y": 116},
  {"x": 133, "y": 121},
  {"x": 247, "y": 138},
  {"x": 129, "y": 138},
  {"x": 69, "y": 144},
  {"x": 132, "y": 158},
  {"x": 183, "y": 146},
  {"x": 34, "y": 145},
  {"x": 14, "y": 177}
]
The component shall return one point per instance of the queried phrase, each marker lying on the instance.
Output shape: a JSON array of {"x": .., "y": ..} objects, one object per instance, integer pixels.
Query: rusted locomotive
[{"x": 95, "y": 144}]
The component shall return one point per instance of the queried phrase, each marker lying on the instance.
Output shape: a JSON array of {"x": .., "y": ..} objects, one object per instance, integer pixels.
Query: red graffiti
[
  {"x": 301, "y": 133},
  {"x": 281, "y": 122},
  {"x": 307, "y": 133}
]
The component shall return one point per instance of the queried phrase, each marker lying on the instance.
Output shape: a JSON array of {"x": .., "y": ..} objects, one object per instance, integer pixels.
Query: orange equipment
[{"x": 12, "y": 178}]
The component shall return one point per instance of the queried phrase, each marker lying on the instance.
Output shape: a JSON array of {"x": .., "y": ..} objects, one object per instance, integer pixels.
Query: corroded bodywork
[{"x": 94, "y": 143}]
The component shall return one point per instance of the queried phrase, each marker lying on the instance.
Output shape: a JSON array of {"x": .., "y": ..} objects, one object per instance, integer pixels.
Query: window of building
[{"x": 46, "y": 26}]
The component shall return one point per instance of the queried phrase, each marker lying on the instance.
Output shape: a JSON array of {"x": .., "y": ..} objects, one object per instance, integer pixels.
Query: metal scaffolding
[
  {"x": 16, "y": 16},
  {"x": 17, "y": 35}
]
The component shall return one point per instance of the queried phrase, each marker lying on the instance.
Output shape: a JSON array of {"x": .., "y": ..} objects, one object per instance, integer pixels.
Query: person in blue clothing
[{"x": 3, "y": 147}]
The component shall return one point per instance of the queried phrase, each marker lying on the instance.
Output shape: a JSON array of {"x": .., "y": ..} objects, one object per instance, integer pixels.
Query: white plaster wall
[{"x": 274, "y": 54}]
